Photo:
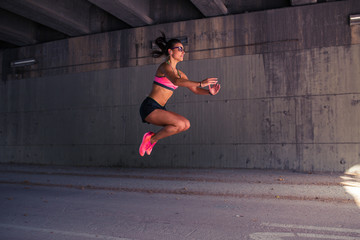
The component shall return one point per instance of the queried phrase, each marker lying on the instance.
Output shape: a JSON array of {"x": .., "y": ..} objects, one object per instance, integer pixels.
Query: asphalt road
[{"x": 133, "y": 204}]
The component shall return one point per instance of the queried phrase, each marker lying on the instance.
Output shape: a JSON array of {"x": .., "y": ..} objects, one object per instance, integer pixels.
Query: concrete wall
[{"x": 290, "y": 95}]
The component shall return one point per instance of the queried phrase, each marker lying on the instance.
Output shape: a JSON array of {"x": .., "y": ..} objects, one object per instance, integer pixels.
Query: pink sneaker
[
  {"x": 148, "y": 151},
  {"x": 145, "y": 144}
]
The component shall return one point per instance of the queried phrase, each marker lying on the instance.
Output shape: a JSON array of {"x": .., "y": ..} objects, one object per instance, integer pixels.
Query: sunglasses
[{"x": 181, "y": 49}]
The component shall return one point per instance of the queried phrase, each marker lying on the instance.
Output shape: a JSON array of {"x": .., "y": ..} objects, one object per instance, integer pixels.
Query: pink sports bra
[{"x": 165, "y": 83}]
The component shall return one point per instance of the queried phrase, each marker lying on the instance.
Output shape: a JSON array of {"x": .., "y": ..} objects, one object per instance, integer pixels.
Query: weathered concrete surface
[
  {"x": 278, "y": 30},
  {"x": 260, "y": 119}
]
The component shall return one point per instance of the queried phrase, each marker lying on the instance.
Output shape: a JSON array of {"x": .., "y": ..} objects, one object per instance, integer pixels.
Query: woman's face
[{"x": 178, "y": 52}]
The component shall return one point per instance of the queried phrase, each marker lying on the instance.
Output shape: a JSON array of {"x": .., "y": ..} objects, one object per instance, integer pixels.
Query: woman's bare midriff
[{"x": 160, "y": 94}]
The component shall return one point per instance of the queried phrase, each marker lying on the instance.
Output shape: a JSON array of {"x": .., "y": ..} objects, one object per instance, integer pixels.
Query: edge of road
[{"x": 240, "y": 183}]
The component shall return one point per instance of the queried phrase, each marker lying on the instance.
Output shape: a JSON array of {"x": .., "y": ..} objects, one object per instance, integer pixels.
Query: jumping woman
[{"x": 167, "y": 79}]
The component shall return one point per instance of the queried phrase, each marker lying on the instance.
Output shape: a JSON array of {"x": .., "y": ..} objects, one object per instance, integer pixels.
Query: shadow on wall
[{"x": 352, "y": 183}]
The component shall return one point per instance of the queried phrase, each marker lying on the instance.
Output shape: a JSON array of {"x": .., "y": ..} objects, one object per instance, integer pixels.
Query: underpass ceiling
[{"x": 28, "y": 22}]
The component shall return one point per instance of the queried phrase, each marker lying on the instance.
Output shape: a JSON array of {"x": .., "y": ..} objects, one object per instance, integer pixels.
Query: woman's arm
[
  {"x": 213, "y": 89},
  {"x": 184, "y": 81}
]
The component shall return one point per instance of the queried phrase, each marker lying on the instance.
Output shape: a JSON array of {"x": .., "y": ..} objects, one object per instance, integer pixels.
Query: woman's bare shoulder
[{"x": 163, "y": 69}]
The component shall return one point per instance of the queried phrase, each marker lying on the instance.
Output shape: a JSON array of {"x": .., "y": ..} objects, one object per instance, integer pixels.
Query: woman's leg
[{"x": 172, "y": 123}]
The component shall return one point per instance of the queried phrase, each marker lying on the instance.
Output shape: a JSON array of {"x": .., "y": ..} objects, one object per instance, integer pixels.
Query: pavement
[
  {"x": 238, "y": 183},
  {"x": 68, "y": 203}
]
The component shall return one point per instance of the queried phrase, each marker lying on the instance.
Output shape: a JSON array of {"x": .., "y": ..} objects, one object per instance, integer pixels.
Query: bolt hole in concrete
[{"x": 351, "y": 183}]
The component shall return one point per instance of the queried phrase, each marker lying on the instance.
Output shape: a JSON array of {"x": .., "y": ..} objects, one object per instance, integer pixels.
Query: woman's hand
[
  {"x": 214, "y": 89},
  {"x": 208, "y": 82}
]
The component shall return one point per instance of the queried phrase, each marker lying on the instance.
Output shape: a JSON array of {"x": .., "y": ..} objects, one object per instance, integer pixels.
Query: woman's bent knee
[
  {"x": 184, "y": 125},
  {"x": 187, "y": 125}
]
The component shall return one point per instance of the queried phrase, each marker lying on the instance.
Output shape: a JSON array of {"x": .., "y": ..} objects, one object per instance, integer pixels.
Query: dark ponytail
[{"x": 164, "y": 46}]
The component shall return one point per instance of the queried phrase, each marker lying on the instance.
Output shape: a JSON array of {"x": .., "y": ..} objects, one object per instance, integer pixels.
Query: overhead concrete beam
[
  {"x": 211, "y": 8},
  {"x": 66, "y": 16},
  {"x": 133, "y": 12},
  {"x": 302, "y": 2},
  {"x": 16, "y": 30}
]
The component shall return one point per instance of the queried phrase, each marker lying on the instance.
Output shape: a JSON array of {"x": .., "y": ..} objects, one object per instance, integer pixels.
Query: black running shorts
[{"x": 147, "y": 106}]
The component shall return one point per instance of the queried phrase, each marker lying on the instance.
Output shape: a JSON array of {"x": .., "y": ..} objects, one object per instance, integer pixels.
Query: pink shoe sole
[
  {"x": 149, "y": 150},
  {"x": 145, "y": 144}
]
